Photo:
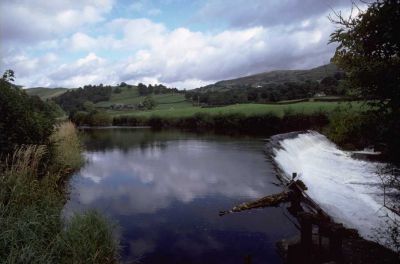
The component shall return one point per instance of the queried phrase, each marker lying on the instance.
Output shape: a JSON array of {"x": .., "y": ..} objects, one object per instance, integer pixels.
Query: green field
[
  {"x": 46, "y": 93},
  {"x": 246, "y": 109},
  {"x": 131, "y": 96}
]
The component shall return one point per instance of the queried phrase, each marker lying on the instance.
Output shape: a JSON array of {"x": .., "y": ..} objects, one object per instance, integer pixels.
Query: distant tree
[
  {"x": 142, "y": 89},
  {"x": 118, "y": 90},
  {"x": 149, "y": 103},
  {"x": 123, "y": 84},
  {"x": 89, "y": 106},
  {"x": 8, "y": 76}
]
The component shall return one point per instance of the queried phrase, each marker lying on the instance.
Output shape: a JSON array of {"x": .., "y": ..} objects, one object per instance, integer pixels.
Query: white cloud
[
  {"x": 33, "y": 21},
  {"x": 148, "y": 51}
]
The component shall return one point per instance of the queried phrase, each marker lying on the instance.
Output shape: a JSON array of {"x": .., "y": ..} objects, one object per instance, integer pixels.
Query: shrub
[
  {"x": 99, "y": 119},
  {"x": 23, "y": 119}
]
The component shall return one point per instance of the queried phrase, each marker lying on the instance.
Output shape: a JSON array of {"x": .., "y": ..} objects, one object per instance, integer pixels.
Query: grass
[
  {"x": 131, "y": 96},
  {"x": 88, "y": 238},
  {"x": 246, "y": 109},
  {"x": 46, "y": 93},
  {"x": 32, "y": 197},
  {"x": 66, "y": 148}
]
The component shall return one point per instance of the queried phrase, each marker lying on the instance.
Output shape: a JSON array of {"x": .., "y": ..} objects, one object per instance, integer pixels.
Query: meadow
[{"x": 179, "y": 110}]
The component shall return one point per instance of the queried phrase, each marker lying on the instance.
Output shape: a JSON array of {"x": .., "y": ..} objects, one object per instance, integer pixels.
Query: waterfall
[{"x": 348, "y": 189}]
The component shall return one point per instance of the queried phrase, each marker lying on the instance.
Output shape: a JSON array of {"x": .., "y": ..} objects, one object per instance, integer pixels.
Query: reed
[
  {"x": 31, "y": 201},
  {"x": 66, "y": 148}
]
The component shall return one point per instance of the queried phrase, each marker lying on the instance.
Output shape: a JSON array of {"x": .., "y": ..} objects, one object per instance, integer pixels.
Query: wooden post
[
  {"x": 335, "y": 242},
  {"x": 306, "y": 243},
  {"x": 306, "y": 229}
]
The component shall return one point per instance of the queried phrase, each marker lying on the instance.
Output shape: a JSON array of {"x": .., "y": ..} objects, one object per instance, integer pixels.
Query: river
[{"x": 165, "y": 189}]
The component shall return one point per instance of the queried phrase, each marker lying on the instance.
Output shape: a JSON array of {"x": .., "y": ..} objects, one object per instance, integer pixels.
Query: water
[
  {"x": 350, "y": 190},
  {"x": 165, "y": 190}
]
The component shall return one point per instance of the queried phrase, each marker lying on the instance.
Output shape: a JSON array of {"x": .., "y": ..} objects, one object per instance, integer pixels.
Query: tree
[
  {"x": 142, "y": 89},
  {"x": 149, "y": 103},
  {"x": 8, "y": 76},
  {"x": 369, "y": 52},
  {"x": 23, "y": 119}
]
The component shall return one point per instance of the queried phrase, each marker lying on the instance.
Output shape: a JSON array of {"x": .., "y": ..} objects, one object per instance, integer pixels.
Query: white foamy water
[{"x": 346, "y": 188}]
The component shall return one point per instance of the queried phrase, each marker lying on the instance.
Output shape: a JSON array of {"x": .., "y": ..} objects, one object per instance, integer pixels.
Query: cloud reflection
[{"x": 146, "y": 180}]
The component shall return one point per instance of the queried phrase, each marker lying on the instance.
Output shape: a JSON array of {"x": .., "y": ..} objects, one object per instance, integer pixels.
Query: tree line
[{"x": 269, "y": 93}]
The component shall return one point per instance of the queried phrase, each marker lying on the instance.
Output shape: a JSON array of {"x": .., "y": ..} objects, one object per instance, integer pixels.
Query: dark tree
[
  {"x": 368, "y": 51},
  {"x": 23, "y": 119}
]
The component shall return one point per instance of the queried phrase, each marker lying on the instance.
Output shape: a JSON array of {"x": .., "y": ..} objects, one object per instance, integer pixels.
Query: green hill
[
  {"x": 275, "y": 77},
  {"x": 46, "y": 93},
  {"x": 130, "y": 96}
]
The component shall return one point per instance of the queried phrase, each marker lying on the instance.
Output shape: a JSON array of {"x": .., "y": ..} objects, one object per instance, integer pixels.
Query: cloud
[
  {"x": 179, "y": 55},
  {"x": 32, "y": 21},
  {"x": 263, "y": 36},
  {"x": 240, "y": 13}
]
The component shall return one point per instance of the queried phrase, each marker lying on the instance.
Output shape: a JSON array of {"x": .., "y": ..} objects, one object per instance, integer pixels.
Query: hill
[
  {"x": 275, "y": 77},
  {"x": 130, "y": 96},
  {"x": 46, "y": 93}
]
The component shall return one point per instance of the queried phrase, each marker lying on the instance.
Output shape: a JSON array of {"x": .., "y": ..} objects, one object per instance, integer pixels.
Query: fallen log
[{"x": 270, "y": 200}]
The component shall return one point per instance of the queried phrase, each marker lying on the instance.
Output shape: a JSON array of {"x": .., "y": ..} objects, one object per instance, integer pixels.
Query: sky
[{"x": 179, "y": 43}]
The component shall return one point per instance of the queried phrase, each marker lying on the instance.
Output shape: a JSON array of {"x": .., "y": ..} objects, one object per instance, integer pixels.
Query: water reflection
[{"x": 165, "y": 190}]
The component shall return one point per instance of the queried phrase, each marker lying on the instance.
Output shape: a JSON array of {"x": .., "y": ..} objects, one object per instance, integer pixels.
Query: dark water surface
[{"x": 165, "y": 189}]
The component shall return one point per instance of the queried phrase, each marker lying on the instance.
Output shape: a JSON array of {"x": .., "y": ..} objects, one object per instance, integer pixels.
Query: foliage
[
  {"x": 118, "y": 90},
  {"x": 355, "y": 129},
  {"x": 99, "y": 119},
  {"x": 23, "y": 119},
  {"x": 148, "y": 103},
  {"x": 88, "y": 238},
  {"x": 267, "y": 93},
  {"x": 66, "y": 148},
  {"x": 232, "y": 123},
  {"x": 94, "y": 118},
  {"x": 31, "y": 202},
  {"x": 8, "y": 76},
  {"x": 369, "y": 52},
  {"x": 157, "y": 89},
  {"x": 73, "y": 100}
]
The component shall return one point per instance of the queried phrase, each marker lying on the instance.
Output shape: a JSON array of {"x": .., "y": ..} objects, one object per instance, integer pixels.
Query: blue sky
[{"x": 180, "y": 43}]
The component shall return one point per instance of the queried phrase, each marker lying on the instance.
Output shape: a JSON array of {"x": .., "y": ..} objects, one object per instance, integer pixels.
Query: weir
[{"x": 333, "y": 199}]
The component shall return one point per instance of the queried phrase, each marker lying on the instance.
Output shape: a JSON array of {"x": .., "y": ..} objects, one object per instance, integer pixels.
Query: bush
[
  {"x": 23, "y": 119},
  {"x": 99, "y": 119},
  {"x": 235, "y": 123},
  {"x": 355, "y": 129},
  {"x": 94, "y": 118}
]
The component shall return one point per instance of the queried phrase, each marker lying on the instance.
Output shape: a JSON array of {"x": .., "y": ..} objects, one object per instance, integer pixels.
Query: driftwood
[{"x": 270, "y": 200}]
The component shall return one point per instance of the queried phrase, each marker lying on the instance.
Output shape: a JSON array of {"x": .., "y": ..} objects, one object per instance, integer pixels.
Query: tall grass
[
  {"x": 66, "y": 148},
  {"x": 31, "y": 201},
  {"x": 88, "y": 238}
]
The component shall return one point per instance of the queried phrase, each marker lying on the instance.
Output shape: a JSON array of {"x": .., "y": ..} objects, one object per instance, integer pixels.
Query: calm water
[{"x": 165, "y": 189}]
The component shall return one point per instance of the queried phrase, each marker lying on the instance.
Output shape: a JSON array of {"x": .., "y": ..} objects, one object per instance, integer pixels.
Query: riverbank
[
  {"x": 34, "y": 181},
  {"x": 235, "y": 123}
]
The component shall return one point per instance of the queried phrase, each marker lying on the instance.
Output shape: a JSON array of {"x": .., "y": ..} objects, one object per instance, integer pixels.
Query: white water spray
[{"x": 346, "y": 188}]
